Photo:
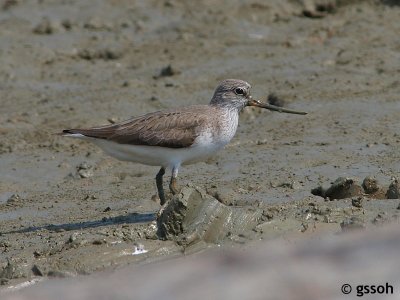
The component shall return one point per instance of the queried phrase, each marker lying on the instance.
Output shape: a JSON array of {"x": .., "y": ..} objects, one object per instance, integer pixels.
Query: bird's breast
[
  {"x": 219, "y": 132},
  {"x": 228, "y": 124}
]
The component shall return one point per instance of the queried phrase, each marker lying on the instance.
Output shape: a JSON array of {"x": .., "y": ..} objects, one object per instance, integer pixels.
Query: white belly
[{"x": 157, "y": 156}]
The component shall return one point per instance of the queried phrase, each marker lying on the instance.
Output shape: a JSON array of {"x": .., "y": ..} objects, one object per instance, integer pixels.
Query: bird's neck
[{"x": 226, "y": 106}]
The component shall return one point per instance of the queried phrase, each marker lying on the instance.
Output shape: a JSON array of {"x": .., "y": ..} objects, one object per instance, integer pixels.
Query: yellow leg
[{"x": 173, "y": 186}]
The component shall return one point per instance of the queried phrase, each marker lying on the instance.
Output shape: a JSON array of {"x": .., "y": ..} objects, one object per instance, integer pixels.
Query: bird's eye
[{"x": 239, "y": 91}]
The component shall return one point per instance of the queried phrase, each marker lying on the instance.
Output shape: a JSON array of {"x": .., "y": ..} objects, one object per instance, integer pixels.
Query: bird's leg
[
  {"x": 173, "y": 185},
  {"x": 159, "y": 182}
]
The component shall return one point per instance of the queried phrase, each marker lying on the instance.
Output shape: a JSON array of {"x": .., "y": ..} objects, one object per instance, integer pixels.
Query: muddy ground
[{"x": 67, "y": 209}]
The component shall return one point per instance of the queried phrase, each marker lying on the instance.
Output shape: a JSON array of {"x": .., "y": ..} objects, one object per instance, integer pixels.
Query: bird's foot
[{"x": 161, "y": 210}]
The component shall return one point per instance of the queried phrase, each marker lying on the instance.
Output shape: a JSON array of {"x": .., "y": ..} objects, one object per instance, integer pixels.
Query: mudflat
[{"x": 67, "y": 209}]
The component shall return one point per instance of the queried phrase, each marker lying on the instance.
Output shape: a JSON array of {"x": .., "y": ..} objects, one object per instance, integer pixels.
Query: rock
[
  {"x": 318, "y": 191},
  {"x": 99, "y": 242},
  {"x": 13, "y": 269},
  {"x": 373, "y": 188},
  {"x": 150, "y": 231},
  {"x": 393, "y": 191},
  {"x": 167, "y": 72},
  {"x": 14, "y": 198},
  {"x": 344, "y": 57},
  {"x": 67, "y": 24},
  {"x": 44, "y": 27},
  {"x": 295, "y": 185},
  {"x": 75, "y": 240},
  {"x": 103, "y": 54},
  {"x": 370, "y": 185},
  {"x": 352, "y": 223},
  {"x": 193, "y": 215},
  {"x": 357, "y": 202},
  {"x": 341, "y": 188},
  {"x": 319, "y": 10},
  {"x": 37, "y": 271},
  {"x": 72, "y": 237},
  {"x": 85, "y": 170},
  {"x": 37, "y": 253}
]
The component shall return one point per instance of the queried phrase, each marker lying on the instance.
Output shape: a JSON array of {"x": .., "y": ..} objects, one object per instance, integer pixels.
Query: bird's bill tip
[{"x": 257, "y": 103}]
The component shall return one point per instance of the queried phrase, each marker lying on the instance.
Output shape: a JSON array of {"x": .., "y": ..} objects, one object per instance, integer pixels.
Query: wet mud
[
  {"x": 195, "y": 216},
  {"x": 344, "y": 187},
  {"x": 68, "y": 209}
]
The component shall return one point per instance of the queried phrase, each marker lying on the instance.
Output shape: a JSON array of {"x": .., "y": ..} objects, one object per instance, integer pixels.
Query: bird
[{"x": 175, "y": 137}]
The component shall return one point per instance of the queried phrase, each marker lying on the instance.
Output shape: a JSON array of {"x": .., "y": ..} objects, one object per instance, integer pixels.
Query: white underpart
[
  {"x": 206, "y": 144},
  {"x": 76, "y": 135}
]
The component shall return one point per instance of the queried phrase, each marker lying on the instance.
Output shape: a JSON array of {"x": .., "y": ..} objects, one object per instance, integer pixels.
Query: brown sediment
[
  {"x": 194, "y": 215},
  {"x": 67, "y": 209}
]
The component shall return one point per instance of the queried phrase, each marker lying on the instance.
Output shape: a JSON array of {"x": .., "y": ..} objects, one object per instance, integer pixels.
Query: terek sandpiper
[{"x": 171, "y": 138}]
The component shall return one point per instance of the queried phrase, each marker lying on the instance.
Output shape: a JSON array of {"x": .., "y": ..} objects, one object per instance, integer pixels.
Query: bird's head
[
  {"x": 235, "y": 94},
  {"x": 232, "y": 93}
]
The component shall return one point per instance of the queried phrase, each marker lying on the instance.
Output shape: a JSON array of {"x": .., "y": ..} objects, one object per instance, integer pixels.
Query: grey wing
[{"x": 174, "y": 129}]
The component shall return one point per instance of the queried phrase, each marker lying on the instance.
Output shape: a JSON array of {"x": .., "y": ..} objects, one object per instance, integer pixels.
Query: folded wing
[{"x": 172, "y": 129}]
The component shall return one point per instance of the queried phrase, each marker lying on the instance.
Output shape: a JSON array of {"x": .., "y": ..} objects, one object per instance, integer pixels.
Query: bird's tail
[{"x": 71, "y": 133}]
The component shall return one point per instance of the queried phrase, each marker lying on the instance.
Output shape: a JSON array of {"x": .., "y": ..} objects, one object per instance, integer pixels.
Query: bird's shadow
[{"x": 131, "y": 218}]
